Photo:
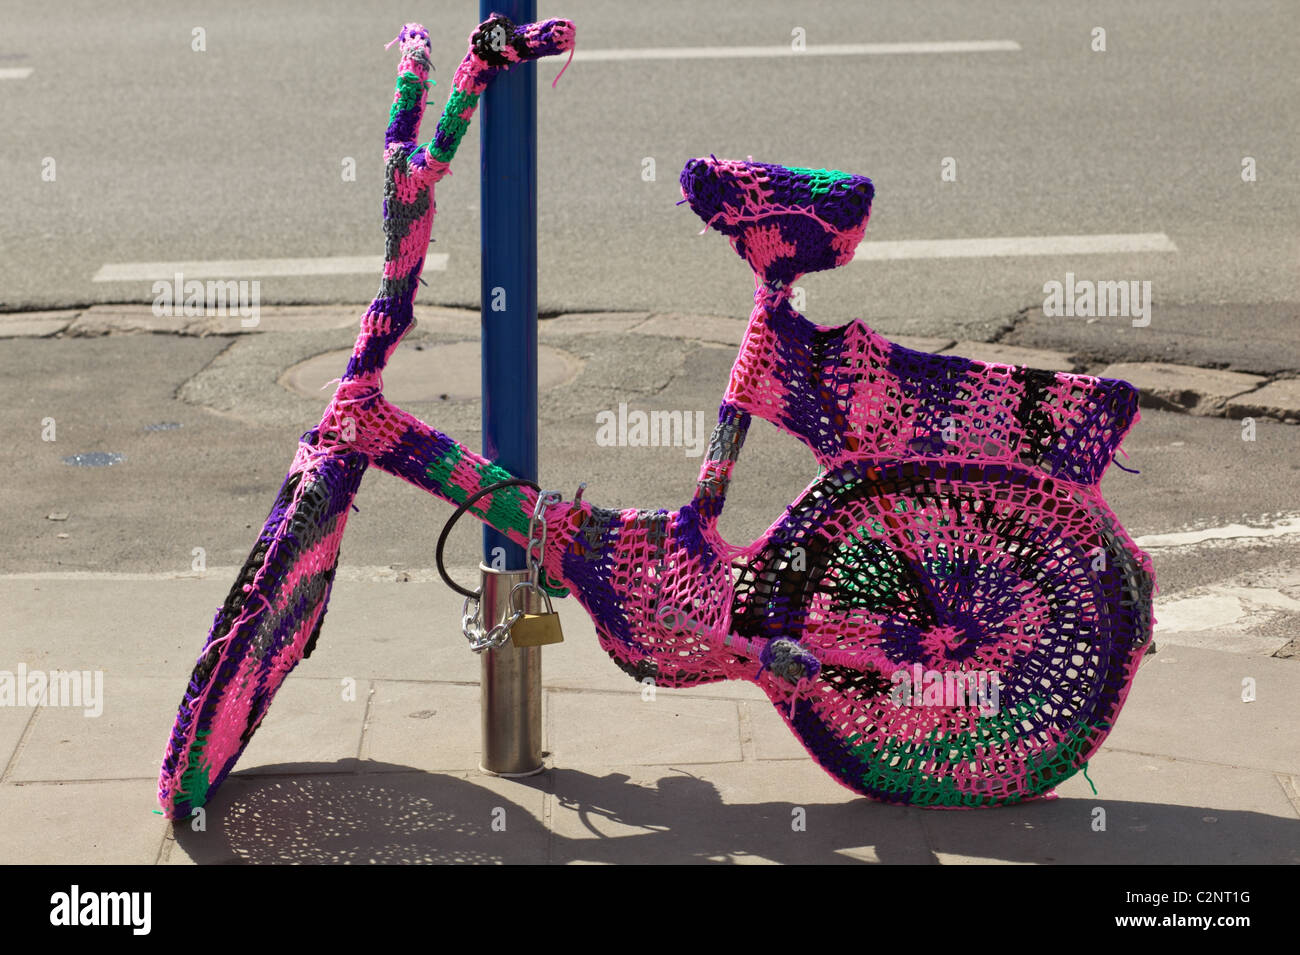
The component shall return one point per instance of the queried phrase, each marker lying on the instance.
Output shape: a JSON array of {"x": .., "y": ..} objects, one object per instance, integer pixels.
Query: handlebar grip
[{"x": 497, "y": 44}]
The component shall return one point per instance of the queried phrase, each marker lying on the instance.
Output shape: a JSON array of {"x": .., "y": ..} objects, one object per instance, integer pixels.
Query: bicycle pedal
[{"x": 537, "y": 630}]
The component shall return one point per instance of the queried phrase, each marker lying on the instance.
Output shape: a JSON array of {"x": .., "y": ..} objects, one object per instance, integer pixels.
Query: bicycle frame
[
  {"x": 956, "y": 523},
  {"x": 271, "y": 619}
]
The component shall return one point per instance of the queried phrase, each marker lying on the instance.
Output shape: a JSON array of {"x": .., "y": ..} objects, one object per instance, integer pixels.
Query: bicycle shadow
[{"x": 364, "y": 812}]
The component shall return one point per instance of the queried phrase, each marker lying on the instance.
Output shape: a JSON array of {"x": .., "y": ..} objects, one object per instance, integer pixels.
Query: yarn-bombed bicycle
[{"x": 956, "y": 526}]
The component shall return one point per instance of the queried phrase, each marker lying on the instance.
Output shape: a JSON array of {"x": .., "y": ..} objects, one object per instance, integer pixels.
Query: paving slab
[
  {"x": 428, "y": 726},
  {"x": 100, "y": 320},
  {"x": 156, "y": 637},
  {"x": 43, "y": 328},
  {"x": 311, "y": 720},
  {"x": 126, "y": 741},
  {"x": 79, "y": 823},
  {"x": 587, "y": 728},
  {"x": 1280, "y": 399},
  {"x": 392, "y": 631},
  {"x": 275, "y": 319},
  {"x": 35, "y": 324},
  {"x": 13, "y": 721},
  {"x": 455, "y": 321},
  {"x": 385, "y": 630},
  {"x": 772, "y": 737},
  {"x": 1157, "y": 810},
  {"x": 1186, "y": 703},
  {"x": 1237, "y": 621},
  {"x": 1242, "y": 641},
  {"x": 1183, "y": 387},
  {"x": 375, "y": 629},
  {"x": 61, "y": 315},
  {"x": 128, "y": 319}
]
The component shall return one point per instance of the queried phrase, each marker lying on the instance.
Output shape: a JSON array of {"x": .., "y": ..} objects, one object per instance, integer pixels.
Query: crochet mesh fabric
[
  {"x": 272, "y": 616},
  {"x": 955, "y": 537},
  {"x": 955, "y": 529}
]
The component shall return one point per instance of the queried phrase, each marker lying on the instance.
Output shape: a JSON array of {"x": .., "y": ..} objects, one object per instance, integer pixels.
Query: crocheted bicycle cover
[
  {"x": 272, "y": 617},
  {"x": 953, "y": 543},
  {"x": 949, "y": 615}
]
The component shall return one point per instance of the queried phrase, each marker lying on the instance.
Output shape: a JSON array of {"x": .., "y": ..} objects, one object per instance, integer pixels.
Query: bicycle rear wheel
[{"x": 978, "y": 627}]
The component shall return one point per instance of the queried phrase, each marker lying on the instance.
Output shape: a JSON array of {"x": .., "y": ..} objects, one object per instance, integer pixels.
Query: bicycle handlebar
[{"x": 497, "y": 44}]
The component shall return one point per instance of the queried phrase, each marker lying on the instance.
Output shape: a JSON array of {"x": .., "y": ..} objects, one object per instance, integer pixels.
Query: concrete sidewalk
[
  {"x": 370, "y": 751},
  {"x": 1191, "y": 774}
]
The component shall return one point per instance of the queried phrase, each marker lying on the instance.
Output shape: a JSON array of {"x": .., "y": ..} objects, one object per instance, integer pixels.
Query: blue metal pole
[
  {"x": 508, "y": 192},
  {"x": 510, "y": 704}
]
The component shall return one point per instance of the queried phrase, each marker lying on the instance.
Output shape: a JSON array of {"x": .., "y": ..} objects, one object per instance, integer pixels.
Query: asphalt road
[
  {"x": 209, "y": 479},
  {"x": 163, "y": 153}
]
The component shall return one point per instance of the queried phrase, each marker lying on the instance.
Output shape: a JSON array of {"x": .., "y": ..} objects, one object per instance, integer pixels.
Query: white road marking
[
  {"x": 812, "y": 49},
  {"x": 253, "y": 268},
  {"x": 15, "y": 72},
  {"x": 1283, "y": 526},
  {"x": 1014, "y": 245}
]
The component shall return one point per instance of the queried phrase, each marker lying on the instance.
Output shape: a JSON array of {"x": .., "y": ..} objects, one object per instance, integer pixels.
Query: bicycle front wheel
[{"x": 268, "y": 623}]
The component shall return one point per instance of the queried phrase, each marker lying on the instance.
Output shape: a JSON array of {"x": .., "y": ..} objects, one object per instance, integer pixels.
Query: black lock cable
[{"x": 456, "y": 515}]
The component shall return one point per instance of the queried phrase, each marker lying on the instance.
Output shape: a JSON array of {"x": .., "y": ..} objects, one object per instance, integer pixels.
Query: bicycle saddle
[{"x": 784, "y": 221}]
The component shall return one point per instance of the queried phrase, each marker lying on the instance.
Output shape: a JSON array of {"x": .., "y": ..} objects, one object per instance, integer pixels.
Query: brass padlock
[{"x": 536, "y": 629}]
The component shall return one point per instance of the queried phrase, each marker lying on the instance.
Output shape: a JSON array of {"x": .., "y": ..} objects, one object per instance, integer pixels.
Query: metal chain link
[
  {"x": 471, "y": 623},
  {"x": 537, "y": 544}
]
